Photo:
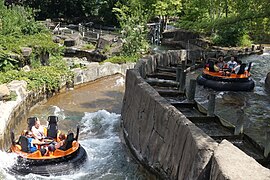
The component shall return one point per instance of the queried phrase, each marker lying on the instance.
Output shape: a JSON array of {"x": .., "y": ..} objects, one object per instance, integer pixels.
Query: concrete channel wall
[
  {"x": 13, "y": 112},
  {"x": 165, "y": 141}
]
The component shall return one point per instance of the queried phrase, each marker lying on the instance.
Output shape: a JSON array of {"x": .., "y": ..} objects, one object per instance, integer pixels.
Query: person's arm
[
  {"x": 36, "y": 141},
  {"x": 216, "y": 68},
  {"x": 35, "y": 132}
]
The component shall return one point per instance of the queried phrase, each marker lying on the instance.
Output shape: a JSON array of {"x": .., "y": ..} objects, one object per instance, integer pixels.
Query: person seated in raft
[
  {"x": 57, "y": 145},
  {"x": 237, "y": 68},
  {"x": 221, "y": 63},
  {"x": 232, "y": 63},
  {"x": 216, "y": 68},
  {"x": 38, "y": 130},
  {"x": 32, "y": 143}
]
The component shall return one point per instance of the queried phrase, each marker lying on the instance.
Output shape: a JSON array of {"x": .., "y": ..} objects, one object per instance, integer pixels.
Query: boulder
[
  {"x": 267, "y": 82},
  {"x": 26, "y": 51},
  {"x": 19, "y": 87},
  {"x": 4, "y": 92},
  {"x": 26, "y": 68},
  {"x": 69, "y": 42}
]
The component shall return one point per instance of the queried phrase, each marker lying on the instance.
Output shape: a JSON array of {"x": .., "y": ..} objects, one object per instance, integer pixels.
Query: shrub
[{"x": 122, "y": 59}]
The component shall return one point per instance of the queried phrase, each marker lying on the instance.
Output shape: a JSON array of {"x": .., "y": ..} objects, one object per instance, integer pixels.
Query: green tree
[
  {"x": 133, "y": 21},
  {"x": 166, "y": 9},
  {"x": 228, "y": 21}
]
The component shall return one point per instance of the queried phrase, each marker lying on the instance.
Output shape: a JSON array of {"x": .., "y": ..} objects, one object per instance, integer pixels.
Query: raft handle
[{"x": 77, "y": 134}]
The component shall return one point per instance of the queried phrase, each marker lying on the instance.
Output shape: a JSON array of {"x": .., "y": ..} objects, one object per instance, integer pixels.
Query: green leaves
[
  {"x": 231, "y": 22},
  {"x": 49, "y": 76},
  {"x": 7, "y": 63},
  {"x": 134, "y": 31},
  {"x": 122, "y": 59}
]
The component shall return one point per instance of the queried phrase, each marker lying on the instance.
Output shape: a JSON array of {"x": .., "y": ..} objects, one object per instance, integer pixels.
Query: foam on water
[
  {"x": 120, "y": 82},
  {"x": 6, "y": 161},
  {"x": 99, "y": 137},
  {"x": 59, "y": 112}
]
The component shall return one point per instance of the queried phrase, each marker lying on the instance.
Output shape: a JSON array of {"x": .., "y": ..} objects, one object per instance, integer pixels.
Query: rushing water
[
  {"x": 96, "y": 108},
  {"x": 255, "y": 105}
]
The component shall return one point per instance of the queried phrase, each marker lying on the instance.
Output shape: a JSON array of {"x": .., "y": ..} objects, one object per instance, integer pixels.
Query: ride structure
[
  {"x": 224, "y": 80},
  {"x": 60, "y": 161}
]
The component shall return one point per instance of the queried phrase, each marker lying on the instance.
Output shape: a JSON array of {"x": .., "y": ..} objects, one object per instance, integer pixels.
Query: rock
[
  {"x": 106, "y": 40},
  {"x": 20, "y": 87},
  {"x": 26, "y": 51},
  {"x": 4, "y": 92},
  {"x": 26, "y": 68},
  {"x": 267, "y": 82},
  {"x": 56, "y": 39},
  {"x": 69, "y": 42}
]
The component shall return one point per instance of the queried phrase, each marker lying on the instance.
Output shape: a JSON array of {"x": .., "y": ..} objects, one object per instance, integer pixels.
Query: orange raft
[
  {"x": 57, "y": 162},
  {"x": 226, "y": 81}
]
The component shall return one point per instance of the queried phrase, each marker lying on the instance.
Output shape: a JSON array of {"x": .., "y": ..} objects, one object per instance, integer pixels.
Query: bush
[
  {"x": 122, "y": 59},
  {"x": 231, "y": 36},
  {"x": 50, "y": 76}
]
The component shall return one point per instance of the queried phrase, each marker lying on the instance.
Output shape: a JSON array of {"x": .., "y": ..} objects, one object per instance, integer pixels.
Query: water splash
[
  {"x": 59, "y": 112},
  {"x": 100, "y": 123},
  {"x": 107, "y": 157},
  {"x": 120, "y": 82},
  {"x": 6, "y": 163}
]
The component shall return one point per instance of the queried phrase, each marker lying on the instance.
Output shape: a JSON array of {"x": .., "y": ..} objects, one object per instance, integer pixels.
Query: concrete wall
[
  {"x": 166, "y": 142},
  {"x": 161, "y": 136},
  {"x": 12, "y": 112}
]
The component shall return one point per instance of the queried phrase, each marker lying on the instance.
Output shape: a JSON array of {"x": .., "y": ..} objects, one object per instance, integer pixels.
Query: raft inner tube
[
  {"x": 226, "y": 81},
  {"x": 62, "y": 160}
]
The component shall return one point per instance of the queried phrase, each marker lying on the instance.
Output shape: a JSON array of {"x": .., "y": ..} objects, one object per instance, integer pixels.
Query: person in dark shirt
[{"x": 32, "y": 143}]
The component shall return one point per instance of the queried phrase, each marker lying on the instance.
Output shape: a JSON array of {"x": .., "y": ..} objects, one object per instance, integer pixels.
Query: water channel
[
  {"x": 254, "y": 105},
  {"x": 96, "y": 108}
]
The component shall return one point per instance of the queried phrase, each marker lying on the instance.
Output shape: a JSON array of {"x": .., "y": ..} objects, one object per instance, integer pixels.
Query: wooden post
[
  {"x": 239, "y": 123},
  {"x": 193, "y": 61},
  {"x": 252, "y": 47},
  {"x": 267, "y": 144},
  {"x": 143, "y": 72},
  {"x": 182, "y": 80},
  {"x": 211, "y": 105},
  {"x": 191, "y": 90},
  {"x": 178, "y": 73},
  {"x": 183, "y": 65}
]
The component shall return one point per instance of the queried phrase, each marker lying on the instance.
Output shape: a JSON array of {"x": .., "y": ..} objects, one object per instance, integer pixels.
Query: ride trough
[
  {"x": 61, "y": 161},
  {"x": 224, "y": 80}
]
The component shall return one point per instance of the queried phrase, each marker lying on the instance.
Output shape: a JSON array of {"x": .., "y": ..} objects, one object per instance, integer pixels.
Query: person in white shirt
[
  {"x": 237, "y": 68},
  {"x": 38, "y": 130},
  {"x": 232, "y": 63}
]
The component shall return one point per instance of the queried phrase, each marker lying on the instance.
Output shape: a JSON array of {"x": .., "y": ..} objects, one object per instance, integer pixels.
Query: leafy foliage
[
  {"x": 18, "y": 29},
  {"x": 231, "y": 22},
  {"x": 51, "y": 76},
  {"x": 122, "y": 59},
  {"x": 134, "y": 31}
]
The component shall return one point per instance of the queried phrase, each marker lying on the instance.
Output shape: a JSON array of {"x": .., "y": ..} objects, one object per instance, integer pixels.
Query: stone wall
[
  {"x": 161, "y": 137},
  {"x": 91, "y": 55},
  {"x": 12, "y": 112},
  {"x": 166, "y": 142}
]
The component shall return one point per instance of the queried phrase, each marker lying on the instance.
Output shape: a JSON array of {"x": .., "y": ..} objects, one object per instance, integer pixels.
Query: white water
[{"x": 99, "y": 136}]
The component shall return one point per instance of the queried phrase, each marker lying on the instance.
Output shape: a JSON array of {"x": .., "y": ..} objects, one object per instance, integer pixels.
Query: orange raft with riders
[
  {"x": 231, "y": 76},
  {"x": 46, "y": 151}
]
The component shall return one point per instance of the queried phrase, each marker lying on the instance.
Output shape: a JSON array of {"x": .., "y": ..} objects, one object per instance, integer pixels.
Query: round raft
[
  {"x": 226, "y": 81},
  {"x": 66, "y": 160}
]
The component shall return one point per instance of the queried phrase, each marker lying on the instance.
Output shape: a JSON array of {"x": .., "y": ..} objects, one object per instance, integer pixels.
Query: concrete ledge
[
  {"x": 161, "y": 137},
  {"x": 229, "y": 162}
]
